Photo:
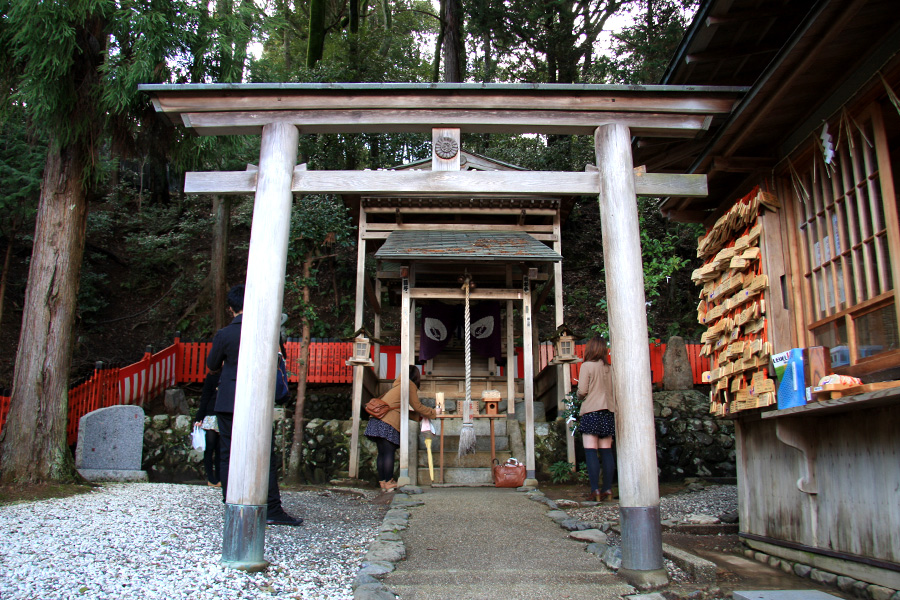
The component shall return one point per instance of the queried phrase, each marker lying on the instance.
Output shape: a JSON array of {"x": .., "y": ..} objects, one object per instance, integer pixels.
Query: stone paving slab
[
  {"x": 489, "y": 543},
  {"x": 783, "y": 595}
]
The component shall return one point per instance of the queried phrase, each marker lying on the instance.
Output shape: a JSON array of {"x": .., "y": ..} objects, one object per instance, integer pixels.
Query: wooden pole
[
  {"x": 563, "y": 372},
  {"x": 528, "y": 376},
  {"x": 403, "y": 478},
  {"x": 358, "y": 371},
  {"x": 635, "y": 433},
  {"x": 248, "y": 479},
  {"x": 377, "y": 330},
  {"x": 408, "y": 474},
  {"x": 510, "y": 350}
]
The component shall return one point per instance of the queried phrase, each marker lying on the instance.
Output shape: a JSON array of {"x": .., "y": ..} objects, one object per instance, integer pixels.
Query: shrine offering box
[{"x": 790, "y": 378}]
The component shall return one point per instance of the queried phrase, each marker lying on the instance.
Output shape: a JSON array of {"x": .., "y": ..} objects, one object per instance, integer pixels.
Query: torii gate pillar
[
  {"x": 642, "y": 561},
  {"x": 248, "y": 475}
]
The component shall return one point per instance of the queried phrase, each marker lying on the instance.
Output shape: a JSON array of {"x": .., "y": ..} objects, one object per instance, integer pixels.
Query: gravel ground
[
  {"x": 682, "y": 507},
  {"x": 164, "y": 541}
]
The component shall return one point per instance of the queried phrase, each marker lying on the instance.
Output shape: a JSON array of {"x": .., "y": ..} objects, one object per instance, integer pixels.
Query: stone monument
[
  {"x": 677, "y": 373},
  {"x": 110, "y": 443}
]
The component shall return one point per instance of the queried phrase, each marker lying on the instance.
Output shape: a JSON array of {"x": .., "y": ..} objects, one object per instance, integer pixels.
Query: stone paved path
[{"x": 488, "y": 543}]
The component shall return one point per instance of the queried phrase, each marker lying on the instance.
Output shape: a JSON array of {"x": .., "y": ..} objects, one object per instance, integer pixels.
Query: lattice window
[{"x": 846, "y": 235}]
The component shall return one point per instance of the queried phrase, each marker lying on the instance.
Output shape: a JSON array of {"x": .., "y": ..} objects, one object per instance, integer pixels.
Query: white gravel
[
  {"x": 164, "y": 541},
  {"x": 681, "y": 507}
]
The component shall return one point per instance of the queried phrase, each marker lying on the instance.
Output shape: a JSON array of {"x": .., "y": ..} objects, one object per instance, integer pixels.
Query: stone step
[
  {"x": 783, "y": 595},
  {"x": 477, "y": 460},
  {"x": 496, "y": 584},
  {"x": 457, "y": 475},
  {"x": 482, "y": 427},
  {"x": 451, "y": 443}
]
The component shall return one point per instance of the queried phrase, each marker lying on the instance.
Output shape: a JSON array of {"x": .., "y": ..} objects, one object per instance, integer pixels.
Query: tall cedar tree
[{"x": 75, "y": 66}]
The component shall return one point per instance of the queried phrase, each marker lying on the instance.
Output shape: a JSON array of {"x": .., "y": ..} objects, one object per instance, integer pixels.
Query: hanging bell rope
[{"x": 467, "y": 434}]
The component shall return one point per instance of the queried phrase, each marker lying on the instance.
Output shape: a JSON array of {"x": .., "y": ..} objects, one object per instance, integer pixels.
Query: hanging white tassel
[{"x": 467, "y": 434}]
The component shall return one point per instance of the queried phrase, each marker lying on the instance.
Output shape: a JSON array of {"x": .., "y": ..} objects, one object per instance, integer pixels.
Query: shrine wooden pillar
[
  {"x": 563, "y": 371},
  {"x": 528, "y": 376},
  {"x": 358, "y": 370},
  {"x": 405, "y": 328},
  {"x": 642, "y": 561},
  {"x": 245, "y": 509},
  {"x": 510, "y": 350}
]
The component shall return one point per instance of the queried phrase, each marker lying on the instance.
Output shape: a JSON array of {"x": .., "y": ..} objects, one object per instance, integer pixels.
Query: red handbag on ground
[{"x": 510, "y": 474}]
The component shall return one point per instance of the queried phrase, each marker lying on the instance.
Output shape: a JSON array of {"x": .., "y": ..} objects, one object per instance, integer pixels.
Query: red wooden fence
[{"x": 185, "y": 362}]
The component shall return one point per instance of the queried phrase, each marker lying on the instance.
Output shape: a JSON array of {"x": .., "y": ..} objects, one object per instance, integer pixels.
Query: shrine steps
[{"x": 472, "y": 470}]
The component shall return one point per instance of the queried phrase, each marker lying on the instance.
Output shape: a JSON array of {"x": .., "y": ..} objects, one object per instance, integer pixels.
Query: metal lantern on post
[
  {"x": 361, "y": 346},
  {"x": 564, "y": 344}
]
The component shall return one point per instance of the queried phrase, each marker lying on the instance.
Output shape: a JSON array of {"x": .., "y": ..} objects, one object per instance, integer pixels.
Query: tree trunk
[
  {"x": 436, "y": 65},
  {"x": 388, "y": 27},
  {"x": 219, "y": 259},
  {"x": 316, "y": 46},
  {"x": 488, "y": 58},
  {"x": 354, "y": 40},
  {"x": 453, "y": 41},
  {"x": 33, "y": 447},
  {"x": 294, "y": 465}
]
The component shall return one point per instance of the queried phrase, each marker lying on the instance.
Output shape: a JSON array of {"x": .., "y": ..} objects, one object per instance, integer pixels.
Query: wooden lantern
[
  {"x": 491, "y": 400},
  {"x": 360, "y": 356},
  {"x": 565, "y": 350}
]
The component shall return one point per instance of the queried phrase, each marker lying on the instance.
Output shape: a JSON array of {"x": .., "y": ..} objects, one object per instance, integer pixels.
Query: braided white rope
[
  {"x": 467, "y": 433},
  {"x": 468, "y": 349}
]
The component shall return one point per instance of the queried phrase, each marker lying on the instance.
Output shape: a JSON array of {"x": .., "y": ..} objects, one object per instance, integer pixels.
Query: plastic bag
[{"x": 198, "y": 438}]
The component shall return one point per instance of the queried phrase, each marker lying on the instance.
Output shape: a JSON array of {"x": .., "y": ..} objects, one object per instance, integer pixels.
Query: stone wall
[
  {"x": 690, "y": 441},
  {"x": 169, "y": 457}
]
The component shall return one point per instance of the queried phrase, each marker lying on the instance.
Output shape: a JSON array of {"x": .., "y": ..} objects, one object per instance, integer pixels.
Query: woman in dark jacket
[
  {"x": 206, "y": 418},
  {"x": 385, "y": 432}
]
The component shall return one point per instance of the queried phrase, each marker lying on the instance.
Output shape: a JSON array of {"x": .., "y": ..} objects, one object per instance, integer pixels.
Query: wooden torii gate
[{"x": 280, "y": 112}]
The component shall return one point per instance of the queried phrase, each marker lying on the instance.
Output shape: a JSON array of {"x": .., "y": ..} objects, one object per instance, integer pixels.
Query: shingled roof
[{"x": 465, "y": 245}]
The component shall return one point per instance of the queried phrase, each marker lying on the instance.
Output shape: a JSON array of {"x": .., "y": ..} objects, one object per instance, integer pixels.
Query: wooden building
[{"x": 802, "y": 252}]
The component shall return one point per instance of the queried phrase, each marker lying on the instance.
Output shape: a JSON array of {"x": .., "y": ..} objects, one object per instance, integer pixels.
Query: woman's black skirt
[
  {"x": 379, "y": 429},
  {"x": 601, "y": 423}
]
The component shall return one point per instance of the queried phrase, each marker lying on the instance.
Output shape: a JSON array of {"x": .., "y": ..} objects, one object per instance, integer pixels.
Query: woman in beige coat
[
  {"x": 385, "y": 432},
  {"x": 596, "y": 419}
]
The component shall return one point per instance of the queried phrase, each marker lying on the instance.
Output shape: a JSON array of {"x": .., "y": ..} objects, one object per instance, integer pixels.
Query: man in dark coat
[{"x": 224, "y": 356}]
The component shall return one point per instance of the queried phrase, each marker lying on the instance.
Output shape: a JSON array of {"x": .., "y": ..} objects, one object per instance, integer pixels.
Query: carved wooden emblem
[{"x": 446, "y": 147}]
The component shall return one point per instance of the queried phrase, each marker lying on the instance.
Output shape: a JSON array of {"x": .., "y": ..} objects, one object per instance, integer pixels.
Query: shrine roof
[{"x": 465, "y": 245}]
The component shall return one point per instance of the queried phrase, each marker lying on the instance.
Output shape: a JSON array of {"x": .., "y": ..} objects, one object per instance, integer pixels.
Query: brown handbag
[
  {"x": 510, "y": 474},
  {"x": 377, "y": 407}
]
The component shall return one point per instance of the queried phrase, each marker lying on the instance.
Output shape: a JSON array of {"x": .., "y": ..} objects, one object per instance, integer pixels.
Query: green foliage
[
  {"x": 319, "y": 223},
  {"x": 668, "y": 250},
  {"x": 561, "y": 472},
  {"x": 385, "y": 48},
  {"x": 22, "y": 158},
  {"x": 581, "y": 476},
  {"x": 92, "y": 293},
  {"x": 641, "y": 52}
]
